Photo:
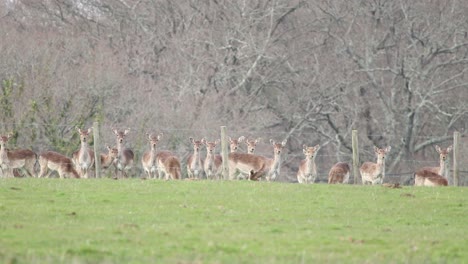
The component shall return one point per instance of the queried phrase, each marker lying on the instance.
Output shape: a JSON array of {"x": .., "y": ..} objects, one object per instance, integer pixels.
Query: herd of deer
[{"x": 163, "y": 164}]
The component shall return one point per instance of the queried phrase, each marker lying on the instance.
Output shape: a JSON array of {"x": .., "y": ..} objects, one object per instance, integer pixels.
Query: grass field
[{"x": 137, "y": 221}]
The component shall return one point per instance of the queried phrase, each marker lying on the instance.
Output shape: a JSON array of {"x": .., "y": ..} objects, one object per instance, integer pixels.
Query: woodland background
[{"x": 306, "y": 71}]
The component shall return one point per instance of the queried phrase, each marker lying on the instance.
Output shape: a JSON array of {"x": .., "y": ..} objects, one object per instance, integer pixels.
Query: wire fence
[{"x": 173, "y": 140}]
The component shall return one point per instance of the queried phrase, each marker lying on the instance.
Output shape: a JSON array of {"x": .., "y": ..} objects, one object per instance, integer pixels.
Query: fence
[{"x": 400, "y": 177}]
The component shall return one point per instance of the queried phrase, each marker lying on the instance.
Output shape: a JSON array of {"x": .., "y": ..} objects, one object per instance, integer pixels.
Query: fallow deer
[
  {"x": 251, "y": 145},
  {"x": 194, "y": 164},
  {"x": 234, "y": 143},
  {"x": 444, "y": 166},
  {"x": 307, "y": 169},
  {"x": 148, "y": 160},
  {"x": 374, "y": 173},
  {"x": 168, "y": 165},
  {"x": 83, "y": 158},
  {"x": 15, "y": 159},
  {"x": 108, "y": 159},
  {"x": 339, "y": 173},
  {"x": 256, "y": 166},
  {"x": 424, "y": 177},
  {"x": 56, "y": 162},
  {"x": 124, "y": 160},
  {"x": 212, "y": 163}
]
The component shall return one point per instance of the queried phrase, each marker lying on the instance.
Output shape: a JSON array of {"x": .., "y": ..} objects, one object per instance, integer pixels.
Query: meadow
[{"x": 152, "y": 221}]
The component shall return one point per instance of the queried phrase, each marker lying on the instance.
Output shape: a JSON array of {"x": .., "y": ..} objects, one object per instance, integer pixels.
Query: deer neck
[
  {"x": 444, "y": 168},
  {"x": 310, "y": 167},
  {"x": 381, "y": 165},
  {"x": 276, "y": 163}
]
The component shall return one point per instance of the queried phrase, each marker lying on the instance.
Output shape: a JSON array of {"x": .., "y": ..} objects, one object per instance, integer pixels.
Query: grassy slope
[{"x": 52, "y": 220}]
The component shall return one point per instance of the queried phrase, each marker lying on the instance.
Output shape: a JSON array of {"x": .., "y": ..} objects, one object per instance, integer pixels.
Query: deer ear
[
  {"x": 89, "y": 130},
  {"x": 387, "y": 149},
  {"x": 127, "y": 131},
  {"x": 449, "y": 148},
  {"x": 191, "y": 139},
  {"x": 241, "y": 138},
  {"x": 217, "y": 141},
  {"x": 272, "y": 141},
  {"x": 284, "y": 142},
  {"x": 203, "y": 141},
  {"x": 437, "y": 148},
  {"x": 115, "y": 131},
  {"x": 108, "y": 148},
  {"x": 317, "y": 147},
  {"x": 376, "y": 149}
]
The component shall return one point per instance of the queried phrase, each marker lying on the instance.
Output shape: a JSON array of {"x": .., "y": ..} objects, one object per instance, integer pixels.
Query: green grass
[{"x": 136, "y": 221}]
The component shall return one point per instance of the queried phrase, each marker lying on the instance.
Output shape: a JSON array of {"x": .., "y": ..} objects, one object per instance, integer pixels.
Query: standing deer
[
  {"x": 307, "y": 169},
  {"x": 168, "y": 165},
  {"x": 256, "y": 166},
  {"x": 234, "y": 143},
  {"x": 83, "y": 158},
  {"x": 339, "y": 173},
  {"x": 124, "y": 160},
  {"x": 212, "y": 163},
  {"x": 251, "y": 145},
  {"x": 148, "y": 160},
  {"x": 194, "y": 164},
  {"x": 56, "y": 162},
  {"x": 374, "y": 173},
  {"x": 15, "y": 159}
]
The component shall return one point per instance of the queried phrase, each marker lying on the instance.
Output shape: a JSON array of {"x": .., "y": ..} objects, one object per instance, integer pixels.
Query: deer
[
  {"x": 124, "y": 160},
  {"x": 256, "y": 166},
  {"x": 251, "y": 145},
  {"x": 168, "y": 165},
  {"x": 194, "y": 164},
  {"x": 108, "y": 159},
  {"x": 339, "y": 173},
  {"x": 15, "y": 159},
  {"x": 148, "y": 160},
  {"x": 444, "y": 166},
  {"x": 425, "y": 177},
  {"x": 307, "y": 172},
  {"x": 212, "y": 163},
  {"x": 374, "y": 173},
  {"x": 234, "y": 143},
  {"x": 83, "y": 158},
  {"x": 56, "y": 162}
]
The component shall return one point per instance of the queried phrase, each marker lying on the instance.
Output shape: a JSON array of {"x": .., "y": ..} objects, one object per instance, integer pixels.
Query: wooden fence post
[
  {"x": 224, "y": 153},
  {"x": 456, "y": 153},
  {"x": 97, "y": 143},
  {"x": 355, "y": 156}
]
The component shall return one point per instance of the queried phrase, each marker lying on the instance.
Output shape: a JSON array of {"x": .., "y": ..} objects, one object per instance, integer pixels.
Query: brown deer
[
  {"x": 148, "y": 160},
  {"x": 83, "y": 158},
  {"x": 168, "y": 165},
  {"x": 56, "y": 162},
  {"x": 251, "y": 145},
  {"x": 108, "y": 159},
  {"x": 212, "y": 163},
  {"x": 307, "y": 172},
  {"x": 15, "y": 159},
  {"x": 194, "y": 164},
  {"x": 256, "y": 166},
  {"x": 444, "y": 166},
  {"x": 374, "y": 173},
  {"x": 124, "y": 160},
  {"x": 234, "y": 143},
  {"x": 339, "y": 173},
  {"x": 424, "y": 177}
]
